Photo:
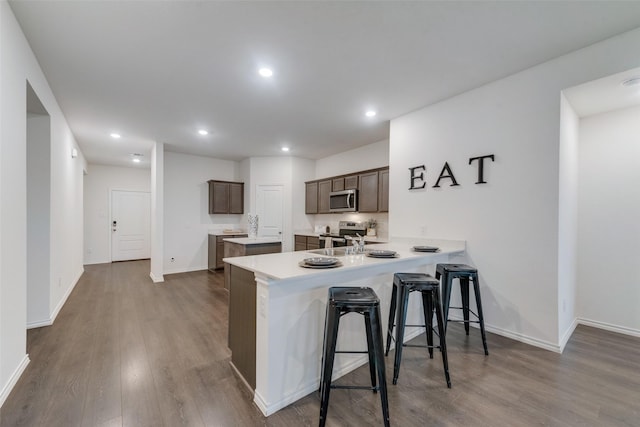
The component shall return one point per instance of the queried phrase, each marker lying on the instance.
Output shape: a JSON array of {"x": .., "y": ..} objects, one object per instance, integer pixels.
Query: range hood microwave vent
[{"x": 343, "y": 201}]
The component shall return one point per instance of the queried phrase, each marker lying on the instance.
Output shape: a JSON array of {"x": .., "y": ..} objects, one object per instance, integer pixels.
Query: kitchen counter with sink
[{"x": 277, "y": 309}]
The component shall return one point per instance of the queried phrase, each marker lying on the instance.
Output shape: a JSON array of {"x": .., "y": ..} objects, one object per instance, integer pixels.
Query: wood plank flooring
[{"x": 127, "y": 352}]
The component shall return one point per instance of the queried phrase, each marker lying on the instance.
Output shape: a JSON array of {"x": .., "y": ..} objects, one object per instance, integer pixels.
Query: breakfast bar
[{"x": 277, "y": 311}]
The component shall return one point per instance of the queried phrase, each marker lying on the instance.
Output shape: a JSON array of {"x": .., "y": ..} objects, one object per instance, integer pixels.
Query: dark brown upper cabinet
[
  {"x": 383, "y": 190},
  {"x": 368, "y": 192},
  {"x": 324, "y": 189},
  {"x": 226, "y": 197},
  {"x": 373, "y": 194},
  {"x": 311, "y": 198}
]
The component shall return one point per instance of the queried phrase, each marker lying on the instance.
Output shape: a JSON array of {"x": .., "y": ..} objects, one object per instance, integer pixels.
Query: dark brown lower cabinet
[
  {"x": 242, "y": 322},
  {"x": 306, "y": 243}
]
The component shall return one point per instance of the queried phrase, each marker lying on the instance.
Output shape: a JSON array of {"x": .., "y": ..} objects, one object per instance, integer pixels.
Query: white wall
[
  {"x": 186, "y": 209},
  {"x": 38, "y": 220},
  {"x": 567, "y": 220},
  {"x": 98, "y": 184},
  {"x": 511, "y": 223},
  {"x": 370, "y": 156},
  {"x": 290, "y": 173},
  {"x": 303, "y": 170},
  {"x": 17, "y": 66},
  {"x": 157, "y": 213},
  {"x": 608, "y": 226}
]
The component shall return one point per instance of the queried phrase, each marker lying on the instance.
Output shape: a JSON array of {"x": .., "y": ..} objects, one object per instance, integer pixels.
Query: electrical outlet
[{"x": 423, "y": 230}]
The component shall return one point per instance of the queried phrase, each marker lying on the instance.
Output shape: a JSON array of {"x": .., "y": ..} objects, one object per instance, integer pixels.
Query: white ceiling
[
  {"x": 605, "y": 94},
  {"x": 159, "y": 70}
]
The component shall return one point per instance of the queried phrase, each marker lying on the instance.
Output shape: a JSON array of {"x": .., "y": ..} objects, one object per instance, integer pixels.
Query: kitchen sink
[{"x": 330, "y": 251}]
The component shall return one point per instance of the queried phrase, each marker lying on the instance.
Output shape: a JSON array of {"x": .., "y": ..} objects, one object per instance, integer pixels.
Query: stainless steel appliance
[
  {"x": 345, "y": 228},
  {"x": 343, "y": 201}
]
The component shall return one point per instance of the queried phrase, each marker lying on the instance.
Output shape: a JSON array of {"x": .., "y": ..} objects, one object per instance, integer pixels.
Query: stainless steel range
[{"x": 346, "y": 228}]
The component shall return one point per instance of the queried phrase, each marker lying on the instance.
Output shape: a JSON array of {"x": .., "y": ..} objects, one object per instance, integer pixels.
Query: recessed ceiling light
[
  {"x": 285, "y": 149},
  {"x": 370, "y": 113},
  {"x": 136, "y": 160},
  {"x": 203, "y": 132},
  {"x": 136, "y": 157},
  {"x": 265, "y": 72},
  {"x": 633, "y": 81},
  {"x": 115, "y": 135}
]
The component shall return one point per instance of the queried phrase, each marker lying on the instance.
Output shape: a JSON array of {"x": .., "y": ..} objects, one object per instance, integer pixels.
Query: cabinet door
[
  {"x": 351, "y": 182},
  {"x": 324, "y": 189},
  {"x": 218, "y": 197},
  {"x": 311, "y": 198},
  {"x": 300, "y": 242},
  {"x": 219, "y": 255},
  {"x": 313, "y": 243},
  {"x": 211, "y": 255},
  {"x": 383, "y": 190},
  {"x": 368, "y": 195},
  {"x": 236, "y": 198},
  {"x": 337, "y": 184}
]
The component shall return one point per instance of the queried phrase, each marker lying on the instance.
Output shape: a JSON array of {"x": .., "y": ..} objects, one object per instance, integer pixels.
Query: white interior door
[
  {"x": 130, "y": 225},
  {"x": 269, "y": 202}
]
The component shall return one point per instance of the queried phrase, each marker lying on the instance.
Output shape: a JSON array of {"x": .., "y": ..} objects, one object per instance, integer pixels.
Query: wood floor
[{"x": 126, "y": 352}]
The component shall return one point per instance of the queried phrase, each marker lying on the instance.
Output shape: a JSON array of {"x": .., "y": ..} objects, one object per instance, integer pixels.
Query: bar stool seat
[
  {"x": 403, "y": 285},
  {"x": 464, "y": 273},
  {"x": 344, "y": 300}
]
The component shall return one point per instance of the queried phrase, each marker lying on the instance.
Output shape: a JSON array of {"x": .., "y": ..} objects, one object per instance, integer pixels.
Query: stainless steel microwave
[{"x": 343, "y": 201}]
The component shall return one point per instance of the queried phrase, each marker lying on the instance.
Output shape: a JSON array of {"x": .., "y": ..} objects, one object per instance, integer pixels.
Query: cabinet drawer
[{"x": 302, "y": 240}]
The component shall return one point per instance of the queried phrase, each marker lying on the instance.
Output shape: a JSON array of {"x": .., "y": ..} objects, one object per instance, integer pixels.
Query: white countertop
[
  {"x": 284, "y": 265},
  {"x": 226, "y": 233},
  {"x": 247, "y": 241}
]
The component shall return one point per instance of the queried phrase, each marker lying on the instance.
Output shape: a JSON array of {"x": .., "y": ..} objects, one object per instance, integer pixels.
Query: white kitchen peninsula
[{"x": 283, "y": 306}]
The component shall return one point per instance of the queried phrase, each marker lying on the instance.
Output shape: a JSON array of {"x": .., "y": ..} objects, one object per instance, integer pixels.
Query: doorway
[
  {"x": 39, "y": 279},
  {"x": 130, "y": 225},
  {"x": 269, "y": 204}
]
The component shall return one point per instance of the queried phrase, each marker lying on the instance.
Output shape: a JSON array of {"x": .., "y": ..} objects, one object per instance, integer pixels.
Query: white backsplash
[{"x": 332, "y": 220}]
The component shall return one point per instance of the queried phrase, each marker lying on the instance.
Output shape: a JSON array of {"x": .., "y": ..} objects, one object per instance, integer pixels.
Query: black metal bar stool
[
  {"x": 463, "y": 273},
  {"x": 343, "y": 300},
  {"x": 403, "y": 285}
]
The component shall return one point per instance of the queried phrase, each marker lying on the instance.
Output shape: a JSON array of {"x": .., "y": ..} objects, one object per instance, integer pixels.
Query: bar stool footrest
[
  {"x": 420, "y": 345},
  {"x": 470, "y": 311},
  {"x": 355, "y": 387}
]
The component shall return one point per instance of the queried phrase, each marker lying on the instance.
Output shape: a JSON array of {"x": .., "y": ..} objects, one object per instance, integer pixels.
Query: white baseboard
[
  {"x": 56, "y": 311},
  {"x": 536, "y": 342},
  {"x": 156, "y": 279},
  {"x": 565, "y": 338},
  {"x": 183, "y": 270},
  {"x": 39, "y": 323},
  {"x": 13, "y": 379},
  {"x": 609, "y": 327}
]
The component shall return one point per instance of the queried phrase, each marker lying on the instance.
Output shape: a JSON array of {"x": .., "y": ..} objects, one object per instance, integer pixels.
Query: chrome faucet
[{"x": 359, "y": 243}]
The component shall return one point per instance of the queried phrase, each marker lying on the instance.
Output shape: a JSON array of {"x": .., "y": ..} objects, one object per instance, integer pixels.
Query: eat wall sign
[{"x": 417, "y": 180}]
